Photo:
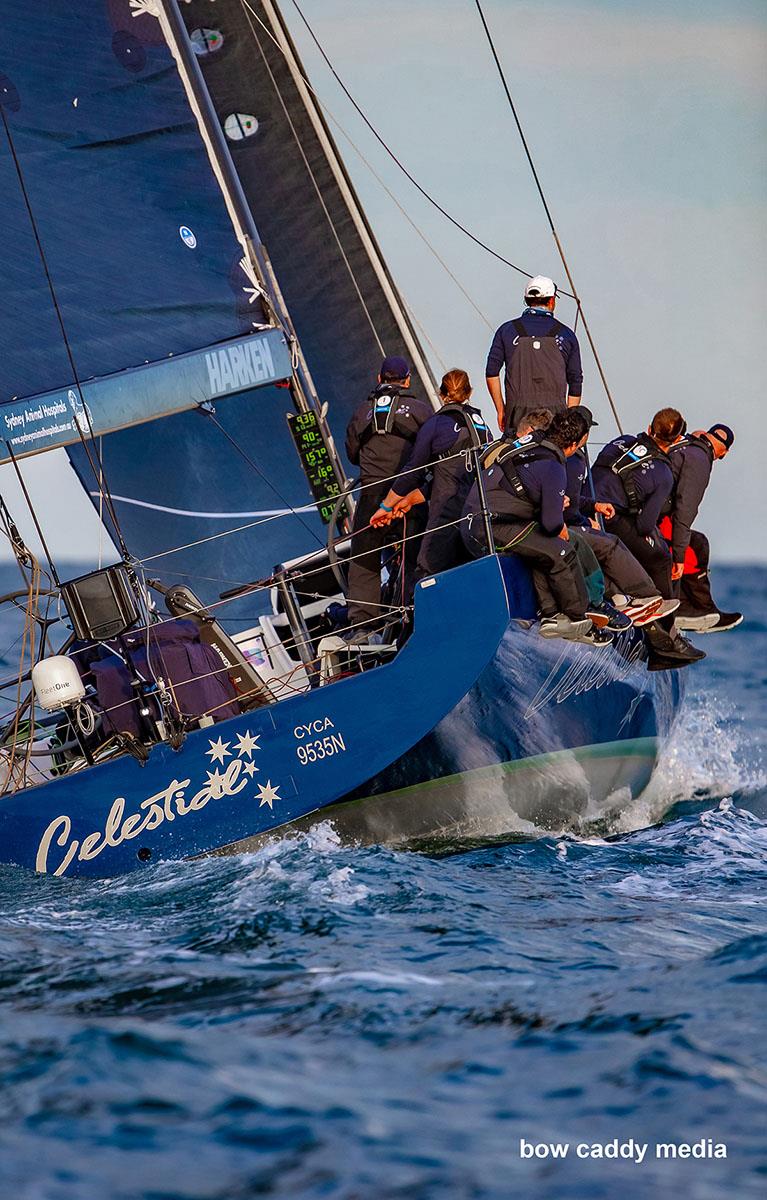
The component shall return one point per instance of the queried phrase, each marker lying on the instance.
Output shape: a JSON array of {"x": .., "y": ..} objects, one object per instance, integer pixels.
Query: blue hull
[
  {"x": 552, "y": 736},
  {"x": 545, "y": 757},
  {"x": 477, "y": 729},
  {"x": 245, "y": 777}
]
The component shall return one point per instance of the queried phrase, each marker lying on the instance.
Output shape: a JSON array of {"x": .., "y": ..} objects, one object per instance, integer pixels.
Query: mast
[{"x": 302, "y": 388}]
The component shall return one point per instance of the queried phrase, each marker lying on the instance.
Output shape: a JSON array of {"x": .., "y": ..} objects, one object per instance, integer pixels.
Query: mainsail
[
  {"x": 134, "y": 229},
  {"x": 114, "y": 162},
  {"x": 345, "y": 308}
]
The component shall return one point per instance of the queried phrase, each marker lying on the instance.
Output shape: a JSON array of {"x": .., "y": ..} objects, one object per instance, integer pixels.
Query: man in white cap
[{"x": 540, "y": 356}]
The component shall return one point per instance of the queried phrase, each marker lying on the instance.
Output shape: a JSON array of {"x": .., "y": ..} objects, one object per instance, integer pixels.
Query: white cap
[{"x": 540, "y": 288}]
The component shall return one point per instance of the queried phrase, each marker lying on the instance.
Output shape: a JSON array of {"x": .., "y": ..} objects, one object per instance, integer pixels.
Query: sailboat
[{"x": 200, "y": 384}]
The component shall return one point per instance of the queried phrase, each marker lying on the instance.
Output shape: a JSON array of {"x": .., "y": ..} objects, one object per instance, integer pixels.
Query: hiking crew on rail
[
  {"x": 608, "y": 549},
  {"x": 525, "y": 484},
  {"x": 691, "y": 461}
]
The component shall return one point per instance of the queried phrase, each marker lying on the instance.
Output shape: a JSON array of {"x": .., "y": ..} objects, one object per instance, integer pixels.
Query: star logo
[
  {"x": 215, "y": 780},
  {"x": 249, "y": 768},
  {"x": 267, "y": 794},
  {"x": 247, "y": 743},
  {"x": 219, "y": 750}
]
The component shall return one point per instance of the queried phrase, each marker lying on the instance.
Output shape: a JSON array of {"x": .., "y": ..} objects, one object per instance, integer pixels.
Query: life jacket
[
  {"x": 690, "y": 439},
  {"x": 492, "y": 452},
  {"x": 509, "y": 457},
  {"x": 644, "y": 450},
  {"x": 473, "y": 433},
  {"x": 385, "y": 420}
]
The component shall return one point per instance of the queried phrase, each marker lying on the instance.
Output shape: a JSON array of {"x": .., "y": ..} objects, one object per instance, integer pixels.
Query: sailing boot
[
  {"x": 669, "y": 646},
  {"x": 698, "y": 611}
]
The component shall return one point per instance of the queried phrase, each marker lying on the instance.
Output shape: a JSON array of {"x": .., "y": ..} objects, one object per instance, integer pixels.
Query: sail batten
[{"x": 34, "y": 424}]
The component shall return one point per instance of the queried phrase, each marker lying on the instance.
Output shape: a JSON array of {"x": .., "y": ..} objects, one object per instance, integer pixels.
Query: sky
[{"x": 647, "y": 122}]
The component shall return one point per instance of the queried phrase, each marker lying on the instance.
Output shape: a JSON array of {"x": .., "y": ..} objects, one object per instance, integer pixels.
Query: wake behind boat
[{"x": 166, "y": 361}]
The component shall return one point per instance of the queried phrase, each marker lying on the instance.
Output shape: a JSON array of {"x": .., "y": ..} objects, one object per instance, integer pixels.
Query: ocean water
[{"x": 317, "y": 1021}]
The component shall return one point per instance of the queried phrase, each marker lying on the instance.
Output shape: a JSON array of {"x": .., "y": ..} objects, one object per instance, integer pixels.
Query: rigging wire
[
  {"x": 366, "y": 162},
  {"x": 265, "y": 520},
  {"x": 254, "y": 466},
  {"x": 398, "y": 162},
  {"x": 419, "y": 327},
  {"x": 416, "y": 228},
  {"x": 316, "y": 185},
  {"x": 547, "y": 210}
]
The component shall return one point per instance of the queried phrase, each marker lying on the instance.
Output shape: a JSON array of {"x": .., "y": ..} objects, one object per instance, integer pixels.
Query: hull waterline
[
  {"x": 261, "y": 771},
  {"x": 552, "y": 736}
]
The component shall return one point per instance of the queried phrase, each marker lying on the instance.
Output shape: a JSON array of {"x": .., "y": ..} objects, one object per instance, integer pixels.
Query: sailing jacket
[
  {"x": 379, "y": 456},
  {"x": 691, "y": 463},
  {"x": 536, "y": 321},
  {"x": 444, "y": 433},
  {"x": 652, "y": 479},
  {"x": 581, "y": 505}
]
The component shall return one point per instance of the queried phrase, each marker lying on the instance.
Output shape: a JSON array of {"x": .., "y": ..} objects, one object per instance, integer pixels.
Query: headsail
[{"x": 345, "y": 307}]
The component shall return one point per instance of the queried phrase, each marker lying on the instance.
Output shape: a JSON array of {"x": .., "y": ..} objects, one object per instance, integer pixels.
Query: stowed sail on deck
[{"x": 345, "y": 308}]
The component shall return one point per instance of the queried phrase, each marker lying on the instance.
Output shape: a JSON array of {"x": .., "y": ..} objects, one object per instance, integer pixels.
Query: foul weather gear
[{"x": 542, "y": 362}]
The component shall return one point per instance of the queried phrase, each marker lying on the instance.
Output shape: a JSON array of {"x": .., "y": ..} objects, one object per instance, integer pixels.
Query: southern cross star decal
[
  {"x": 249, "y": 768},
  {"x": 215, "y": 779},
  {"x": 267, "y": 794},
  {"x": 219, "y": 750},
  {"x": 247, "y": 743}
]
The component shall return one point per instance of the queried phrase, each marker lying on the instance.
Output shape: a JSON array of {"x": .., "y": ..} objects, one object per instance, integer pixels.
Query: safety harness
[
  {"x": 474, "y": 434},
  {"x": 693, "y": 439},
  {"x": 510, "y": 456},
  {"x": 385, "y": 412},
  {"x": 639, "y": 454},
  {"x": 553, "y": 328}
]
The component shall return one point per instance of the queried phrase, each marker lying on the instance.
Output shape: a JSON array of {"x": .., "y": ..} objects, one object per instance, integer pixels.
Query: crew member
[
  {"x": 379, "y": 438},
  {"x": 633, "y": 475},
  {"x": 625, "y": 578},
  {"x": 443, "y": 444},
  {"x": 537, "y": 420},
  {"x": 525, "y": 486},
  {"x": 540, "y": 356},
  {"x": 691, "y": 461}
]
